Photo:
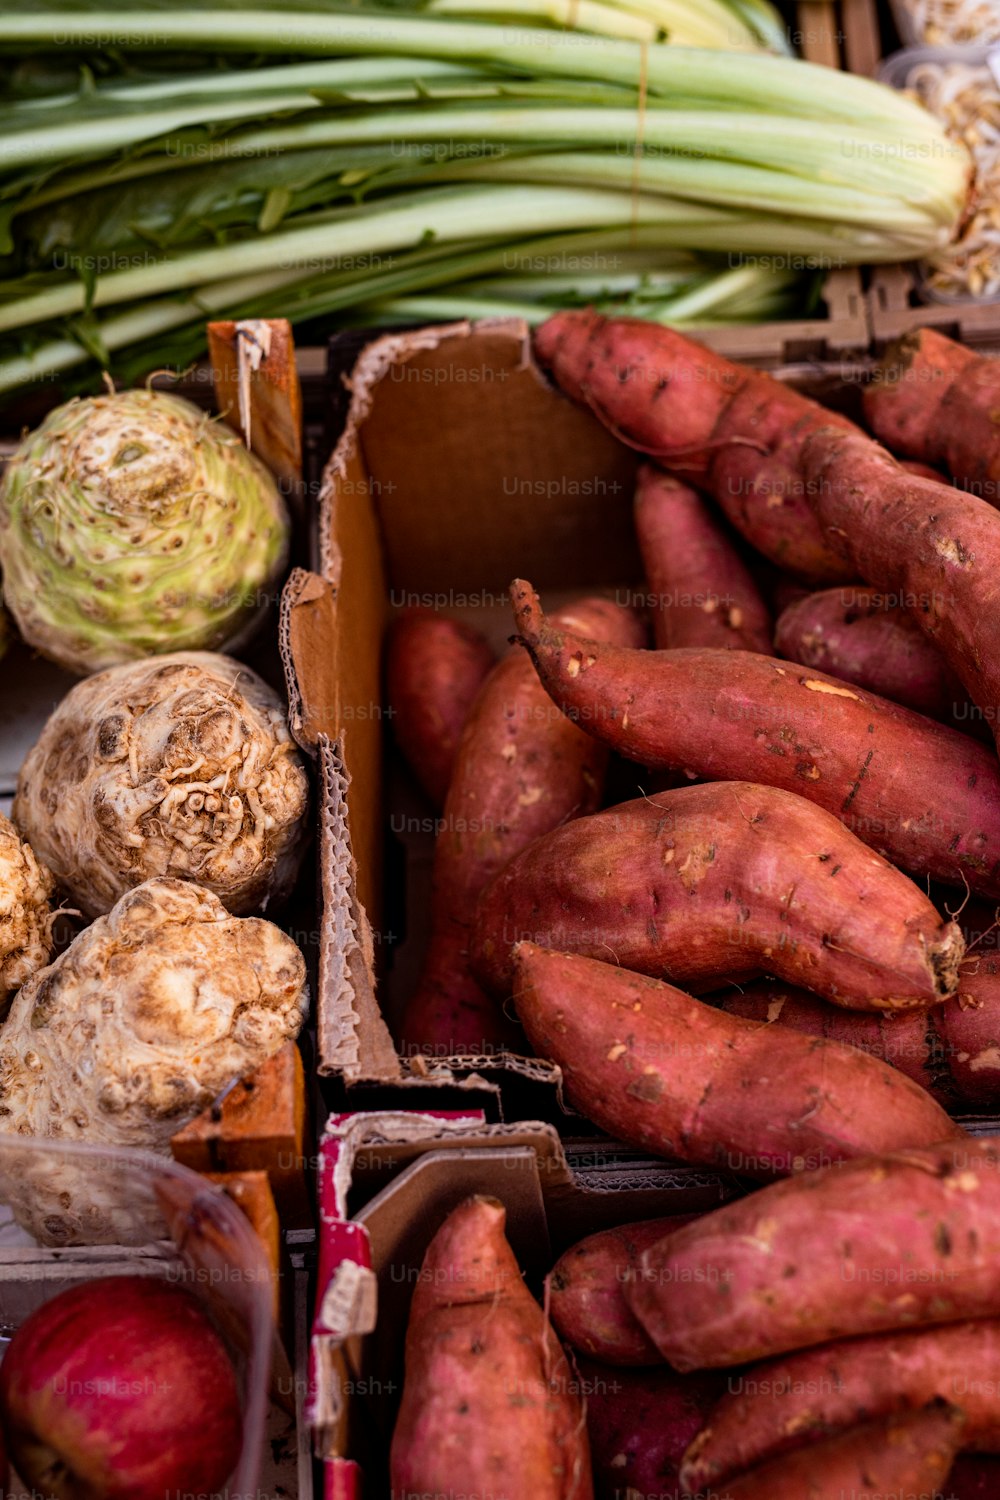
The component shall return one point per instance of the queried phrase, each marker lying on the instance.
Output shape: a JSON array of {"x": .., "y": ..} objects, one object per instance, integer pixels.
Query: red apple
[{"x": 120, "y": 1389}]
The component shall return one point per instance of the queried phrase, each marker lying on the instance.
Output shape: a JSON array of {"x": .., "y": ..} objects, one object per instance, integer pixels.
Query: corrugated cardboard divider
[{"x": 458, "y": 469}]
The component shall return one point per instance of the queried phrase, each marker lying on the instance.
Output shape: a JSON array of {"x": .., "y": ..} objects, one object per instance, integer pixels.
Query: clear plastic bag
[{"x": 177, "y": 1226}]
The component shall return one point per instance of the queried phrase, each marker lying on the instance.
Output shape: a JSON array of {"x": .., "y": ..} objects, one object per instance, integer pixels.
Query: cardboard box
[
  {"x": 459, "y": 469},
  {"x": 387, "y": 1180}
]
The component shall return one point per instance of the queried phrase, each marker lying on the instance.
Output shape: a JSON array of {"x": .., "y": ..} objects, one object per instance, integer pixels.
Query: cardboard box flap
[
  {"x": 350, "y": 1023},
  {"x": 486, "y": 479}
]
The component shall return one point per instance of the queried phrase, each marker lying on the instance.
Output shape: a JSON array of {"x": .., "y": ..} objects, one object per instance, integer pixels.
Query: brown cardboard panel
[
  {"x": 457, "y": 435},
  {"x": 421, "y": 1170},
  {"x": 536, "y": 489}
]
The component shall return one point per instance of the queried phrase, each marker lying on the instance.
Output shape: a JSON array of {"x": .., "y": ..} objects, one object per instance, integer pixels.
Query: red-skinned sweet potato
[
  {"x": 701, "y": 593},
  {"x": 724, "y": 880},
  {"x": 773, "y": 460},
  {"x": 968, "y": 1029},
  {"x": 953, "y": 1051},
  {"x": 661, "y": 1071},
  {"x": 925, "y": 471},
  {"x": 864, "y": 637},
  {"x": 586, "y": 1304},
  {"x": 735, "y": 432},
  {"x": 931, "y": 546},
  {"x": 490, "y": 1405},
  {"x": 742, "y": 716},
  {"x": 910, "y": 1239},
  {"x": 907, "y": 1040},
  {"x": 931, "y": 399},
  {"x": 974, "y": 1476},
  {"x": 522, "y": 769},
  {"x": 905, "y": 1457},
  {"x": 434, "y": 669},
  {"x": 796, "y": 1401},
  {"x": 639, "y": 1423}
]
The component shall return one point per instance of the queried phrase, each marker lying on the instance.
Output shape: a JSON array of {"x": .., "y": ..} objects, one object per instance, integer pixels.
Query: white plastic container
[
  {"x": 183, "y": 1229},
  {"x": 910, "y": 34}
]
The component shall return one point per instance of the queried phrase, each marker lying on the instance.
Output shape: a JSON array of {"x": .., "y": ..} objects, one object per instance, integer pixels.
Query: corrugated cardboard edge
[
  {"x": 350, "y": 1018},
  {"x": 347, "y": 1135}
]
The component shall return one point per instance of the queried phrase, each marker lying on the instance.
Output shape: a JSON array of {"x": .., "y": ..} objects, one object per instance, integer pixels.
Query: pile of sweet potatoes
[{"x": 776, "y": 960}]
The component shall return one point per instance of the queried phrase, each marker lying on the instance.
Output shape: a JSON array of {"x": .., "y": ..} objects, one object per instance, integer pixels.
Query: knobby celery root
[
  {"x": 586, "y": 1303},
  {"x": 906, "y": 1455},
  {"x": 26, "y": 917},
  {"x": 434, "y": 668},
  {"x": 735, "y": 432},
  {"x": 661, "y": 1071},
  {"x": 639, "y": 1423},
  {"x": 796, "y": 1401},
  {"x": 864, "y": 637},
  {"x": 522, "y": 768},
  {"x": 725, "y": 880},
  {"x": 910, "y": 1239},
  {"x": 701, "y": 593},
  {"x": 933, "y": 400},
  {"x": 490, "y": 1406},
  {"x": 924, "y": 795}
]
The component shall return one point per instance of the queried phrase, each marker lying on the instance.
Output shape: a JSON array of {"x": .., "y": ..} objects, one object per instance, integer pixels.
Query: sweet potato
[
  {"x": 700, "y": 591},
  {"x": 666, "y": 1073},
  {"x": 586, "y": 1304},
  {"x": 489, "y": 1404},
  {"x": 522, "y": 769},
  {"x": 907, "y": 1040},
  {"x": 968, "y": 1029},
  {"x": 793, "y": 1402},
  {"x": 905, "y": 1457},
  {"x": 923, "y": 470},
  {"x": 746, "y": 717},
  {"x": 434, "y": 669},
  {"x": 802, "y": 485},
  {"x": 727, "y": 880},
  {"x": 953, "y": 1051},
  {"x": 909, "y": 1239},
  {"x": 639, "y": 1423},
  {"x": 735, "y": 432},
  {"x": 864, "y": 637},
  {"x": 975, "y": 1476},
  {"x": 932, "y": 546},
  {"x": 933, "y": 400}
]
